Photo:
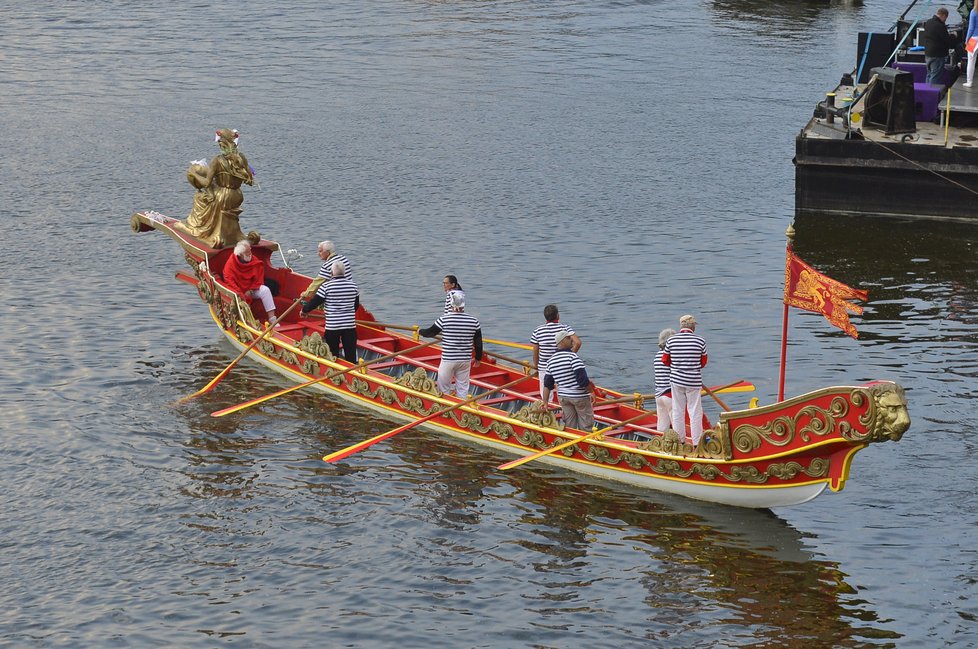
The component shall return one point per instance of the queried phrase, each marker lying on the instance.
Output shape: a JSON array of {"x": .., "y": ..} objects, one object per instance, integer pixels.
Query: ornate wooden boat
[{"x": 781, "y": 454}]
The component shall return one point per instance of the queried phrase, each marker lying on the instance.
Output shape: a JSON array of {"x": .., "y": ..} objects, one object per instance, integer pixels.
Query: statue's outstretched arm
[{"x": 212, "y": 168}]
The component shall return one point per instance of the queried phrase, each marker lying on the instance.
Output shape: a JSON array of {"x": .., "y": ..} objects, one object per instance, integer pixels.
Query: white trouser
[
  {"x": 970, "y": 74},
  {"x": 663, "y": 412},
  {"x": 460, "y": 371},
  {"x": 687, "y": 399},
  {"x": 264, "y": 294}
]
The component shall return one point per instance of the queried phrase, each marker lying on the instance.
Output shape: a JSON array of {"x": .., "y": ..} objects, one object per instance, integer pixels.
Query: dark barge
[{"x": 886, "y": 143}]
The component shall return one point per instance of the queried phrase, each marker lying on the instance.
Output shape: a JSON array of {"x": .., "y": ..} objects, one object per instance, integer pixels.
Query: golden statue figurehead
[{"x": 217, "y": 201}]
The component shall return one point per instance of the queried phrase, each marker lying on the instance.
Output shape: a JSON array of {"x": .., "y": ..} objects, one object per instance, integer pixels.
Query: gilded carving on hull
[
  {"x": 713, "y": 445},
  {"x": 533, "y": 439},
  {"x": 887, "y": 417},
  {"x": 532, "y": 414},
  {"x": 412, "y": 403},
  {"x": 468, "y": 420},
  {"x": 315, "y": 345},
  {"x": 357, "y": 385},
  {"x": 503, "y": 431},
  {"x": 784, "y": 430},
  {"x": 419, "y": 381}
]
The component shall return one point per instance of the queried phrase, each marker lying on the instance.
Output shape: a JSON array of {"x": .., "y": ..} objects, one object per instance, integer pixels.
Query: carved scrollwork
[
  {"x": 358, "y": 386},
  {"x": 419, "y": 381},
  {"x": 595, "y": 454},
  {"x": 245, "y": 309},
  {"x": 503, "y": 431},
  {"x": 468, "y": 420},
  {"x": 386, "y": 395},
  {"x": 534, "y": 414},
  {"x": 533, "y": 439},
  {"x": 412, "y": 403},
  {"x": 784, "y": 430},
  {"x": 885, "y": 418}
]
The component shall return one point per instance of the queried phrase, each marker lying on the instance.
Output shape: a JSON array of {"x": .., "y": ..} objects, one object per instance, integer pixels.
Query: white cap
[
  {"x": 458, "y": 300},
  {"x": 560, "y": 335}
]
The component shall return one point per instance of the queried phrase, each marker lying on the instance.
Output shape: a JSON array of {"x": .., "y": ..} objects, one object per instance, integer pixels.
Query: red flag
[{"x": 808, "y": 289}]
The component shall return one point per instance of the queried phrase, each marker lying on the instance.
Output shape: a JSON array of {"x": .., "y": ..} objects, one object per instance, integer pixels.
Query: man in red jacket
[{"x": 245, "y": 275}]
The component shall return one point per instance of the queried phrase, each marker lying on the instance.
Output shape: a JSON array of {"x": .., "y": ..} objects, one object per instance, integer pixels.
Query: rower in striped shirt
[
  {"x": 452, "y": 287},
  {"x": 542, "y": 340},
  {"x": 685, "y": 355},
  {"x": 461, "y": 332},
  {"x": 566, "y": 370},
  {"x": 340, "y": 299},
  {"x": 327, "y": 252}
]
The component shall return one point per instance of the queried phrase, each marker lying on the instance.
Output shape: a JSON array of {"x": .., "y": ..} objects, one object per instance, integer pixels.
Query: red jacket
[{"x": 244, "y": 276}]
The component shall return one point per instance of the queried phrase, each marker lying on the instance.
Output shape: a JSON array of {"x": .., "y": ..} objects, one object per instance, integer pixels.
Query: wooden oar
[
  {"x": 388, "y": 325},
  {"x": 517, "y": 361},
  {"x": 736, "y": 386},
  {"x": 716, "y": 398},
  {"x": 553, "y": 449},
  {"x": 359, "y": 446},
  {"x": 331, "y": 375},
  {"x": 506, "y": 343},
  {"x": 217, "y": 379}
]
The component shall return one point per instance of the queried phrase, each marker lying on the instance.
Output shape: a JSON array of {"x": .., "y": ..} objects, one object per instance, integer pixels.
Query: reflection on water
[
  {"x": 760, "y": 11},
  {"x": 921, "y": 276},
  {"x": 750, "y": 569}
]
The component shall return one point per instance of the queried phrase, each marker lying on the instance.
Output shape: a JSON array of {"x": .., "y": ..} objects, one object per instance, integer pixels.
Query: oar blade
[
  {"x": 359, "y": 446},
  {"x": 217, "y": 379},
  {"x": 255, "y": 402}
]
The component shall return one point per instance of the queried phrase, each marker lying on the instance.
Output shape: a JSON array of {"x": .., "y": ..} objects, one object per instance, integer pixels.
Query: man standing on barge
[
  {"x": 936, "y": 41},
  {"x": 685, "y": 355},
  {"x": 461, "y": 333},
  {"x": 566, "y": 370}
]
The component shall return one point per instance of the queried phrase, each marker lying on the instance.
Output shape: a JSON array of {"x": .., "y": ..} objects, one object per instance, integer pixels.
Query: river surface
[{"x": 630, "y": 161}]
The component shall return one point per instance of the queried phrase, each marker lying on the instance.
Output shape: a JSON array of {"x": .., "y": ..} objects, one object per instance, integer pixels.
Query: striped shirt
[
  {"x": 448, "y": 298},
  {"x": 686, "y": 351},
  {"x": 565, "y": 368},
  {"x": 326, "y": 270},
  {"x": 458, "y": 331},
  {"x": 543, "y": 336},
  {"x": 661, "y": 374},
  {"x": 340, "y": 303}
]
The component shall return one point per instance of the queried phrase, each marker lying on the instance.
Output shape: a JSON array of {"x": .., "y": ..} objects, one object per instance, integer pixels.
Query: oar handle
[
  {"x": 716, "y": 398},
  {"x": 387, "y": 325},
  {"x": 506, "y": 343},
  {"x": 517, "y": 361}
]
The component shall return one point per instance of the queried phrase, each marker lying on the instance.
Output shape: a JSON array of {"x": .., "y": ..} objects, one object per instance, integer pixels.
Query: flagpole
[{"x": 790, "y": 233}]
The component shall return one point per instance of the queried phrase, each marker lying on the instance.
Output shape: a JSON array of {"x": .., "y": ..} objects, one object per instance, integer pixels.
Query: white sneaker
[{"x": 966, "y": 84}]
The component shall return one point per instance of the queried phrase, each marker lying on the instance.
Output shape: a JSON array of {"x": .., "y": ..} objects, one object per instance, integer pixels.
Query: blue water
[{"x": 630, "y": 161}]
